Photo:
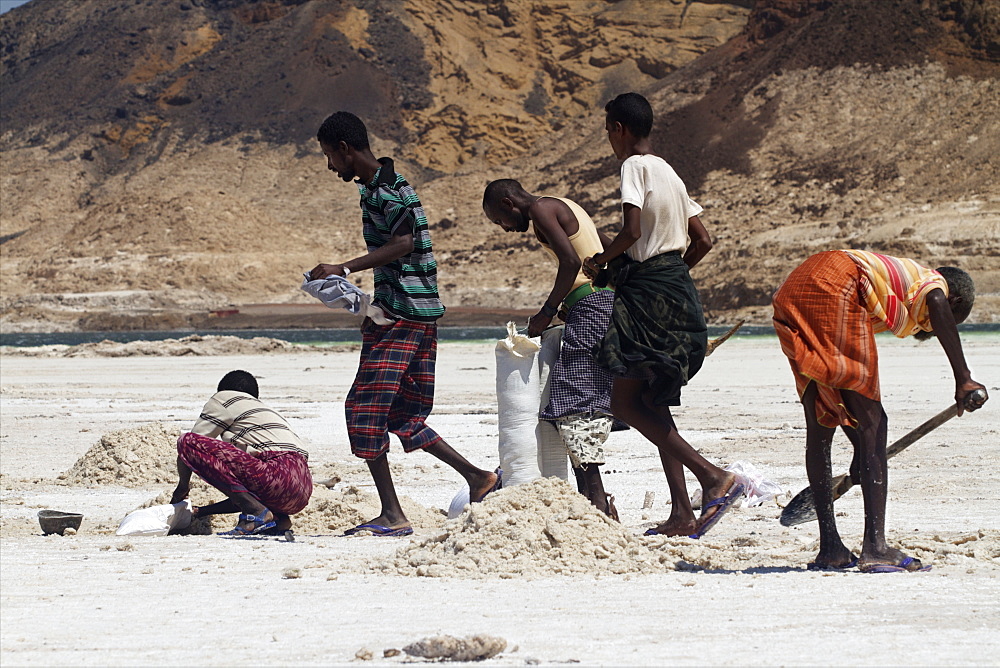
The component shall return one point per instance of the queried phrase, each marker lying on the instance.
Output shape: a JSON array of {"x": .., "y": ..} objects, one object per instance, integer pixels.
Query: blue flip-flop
[
  {"x": 379, "y": 530},
  {"x": 259, "y": 525},
  {"x": 724, "y": 503},
  {"x": 902, "y": 567}
]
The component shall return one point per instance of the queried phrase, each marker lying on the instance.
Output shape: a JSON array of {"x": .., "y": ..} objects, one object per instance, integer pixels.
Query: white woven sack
[
  {"x": 518, "y": 394},
  {"x": 156, "y": 520},
  {"x": 552, "y": 457}
]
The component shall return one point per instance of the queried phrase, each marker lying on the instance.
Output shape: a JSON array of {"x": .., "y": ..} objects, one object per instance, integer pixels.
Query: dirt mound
[
  {"x": 449, "y": 648},
  {"x": 534, "y": 530},
  {"x": 134, "y": 457}
]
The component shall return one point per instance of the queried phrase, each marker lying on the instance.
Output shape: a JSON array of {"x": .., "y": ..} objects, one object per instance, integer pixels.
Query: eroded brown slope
[
  {"x": 855, "y": 124},
  {"x": 826, "y": 124}
]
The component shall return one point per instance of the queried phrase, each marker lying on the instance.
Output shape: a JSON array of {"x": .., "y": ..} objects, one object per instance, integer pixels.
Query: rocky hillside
[{"x": 158, "y": 156}]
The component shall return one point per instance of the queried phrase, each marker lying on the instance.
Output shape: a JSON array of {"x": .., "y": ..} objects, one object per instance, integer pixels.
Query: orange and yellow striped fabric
[
  {"x": 894, "y": 291},
  {"x": 827, "y": 335}
]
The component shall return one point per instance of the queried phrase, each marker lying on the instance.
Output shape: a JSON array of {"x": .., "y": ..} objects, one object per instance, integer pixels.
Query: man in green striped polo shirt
[{"x": 394, "y": 389}]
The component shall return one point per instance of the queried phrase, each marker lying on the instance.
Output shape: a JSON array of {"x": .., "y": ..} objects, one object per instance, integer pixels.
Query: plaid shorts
[
  {"x": 279, "y": 479},
  {"x": 394, "y": 389},
  {"x": 577, "y": 384}
]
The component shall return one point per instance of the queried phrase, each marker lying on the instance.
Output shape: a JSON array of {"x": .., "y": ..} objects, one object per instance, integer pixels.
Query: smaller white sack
[
  {"x": 758, "y": 488},
  {"x": 552, "y": 458},
  {"x": 157, "y": 520},
  {"x": 459, "y": 503}
]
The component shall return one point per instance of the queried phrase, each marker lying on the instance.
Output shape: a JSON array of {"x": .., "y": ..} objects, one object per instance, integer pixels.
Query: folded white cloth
[{"x": 338, "y": 292}]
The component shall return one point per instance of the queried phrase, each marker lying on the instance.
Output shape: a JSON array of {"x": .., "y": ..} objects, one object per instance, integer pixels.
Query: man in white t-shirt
[
  {"x": 652, "y": 186},
  {"x": 657, "y": 338}
]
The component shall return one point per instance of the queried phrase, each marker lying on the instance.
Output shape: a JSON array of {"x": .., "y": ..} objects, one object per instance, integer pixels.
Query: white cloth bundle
[{"x": 338, "y": 292}]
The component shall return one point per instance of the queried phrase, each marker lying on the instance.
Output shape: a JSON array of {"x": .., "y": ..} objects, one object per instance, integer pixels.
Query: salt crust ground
[{"x": 555, "y": 580}]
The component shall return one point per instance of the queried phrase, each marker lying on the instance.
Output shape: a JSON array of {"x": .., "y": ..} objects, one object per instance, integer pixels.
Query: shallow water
[{"x": 304, "y": 336}]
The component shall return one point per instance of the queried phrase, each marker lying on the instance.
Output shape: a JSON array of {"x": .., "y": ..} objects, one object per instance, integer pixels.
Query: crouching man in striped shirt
[
  {"x": 248, "y": 452},
  {"x": 394, "y": 389}
]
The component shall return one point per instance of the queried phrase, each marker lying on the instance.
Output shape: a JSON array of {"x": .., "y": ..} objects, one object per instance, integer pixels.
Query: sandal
[
  {"x": 612, "y": 511},
  {"x": 259, "y": 525},
  {"x": 905, "y": 565}
]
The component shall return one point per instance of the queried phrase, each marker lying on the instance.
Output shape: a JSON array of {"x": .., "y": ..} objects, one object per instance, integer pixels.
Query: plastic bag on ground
[
  {"x": 758, "y": 488},
  {"x": 458, "y": 503},
  {"x": 156, "y": 520}
]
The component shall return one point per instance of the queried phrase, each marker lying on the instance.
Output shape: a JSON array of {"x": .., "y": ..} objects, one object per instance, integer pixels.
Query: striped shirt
[
  {"x": 242, "y": 420},
  {"x": 894, "y": 292},
  {"x": 407, "y": 287}
]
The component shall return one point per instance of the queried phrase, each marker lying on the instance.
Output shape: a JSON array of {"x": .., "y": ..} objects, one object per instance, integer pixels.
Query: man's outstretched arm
[
  {"x": 946, "y": 331},
  {"x": 397, "y": 246}
]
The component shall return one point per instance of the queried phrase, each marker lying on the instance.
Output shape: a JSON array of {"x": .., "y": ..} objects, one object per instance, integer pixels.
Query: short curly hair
[
  {"x": 343, "y": 126},
  {"x": 497, "y": 190},
  {"x": 239, "y": 381},
  {"x": 960, "y": 284},
  {"x": 633, "y": 112}
]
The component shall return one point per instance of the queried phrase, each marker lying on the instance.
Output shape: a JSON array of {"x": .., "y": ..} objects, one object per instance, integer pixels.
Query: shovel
[{"x": 802, "y": 508}]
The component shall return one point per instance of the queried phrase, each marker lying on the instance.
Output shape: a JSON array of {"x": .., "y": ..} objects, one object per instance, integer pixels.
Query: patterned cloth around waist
[
  {"x": 578, "y": 385},
  {"x": 278, "y": 479},
  {"x": 827, "y": 334},
  {"x": 657, "y": 330}
]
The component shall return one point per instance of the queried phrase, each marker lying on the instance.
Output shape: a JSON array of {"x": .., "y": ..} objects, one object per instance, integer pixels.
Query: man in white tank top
[{"x": 580, "y": 391}]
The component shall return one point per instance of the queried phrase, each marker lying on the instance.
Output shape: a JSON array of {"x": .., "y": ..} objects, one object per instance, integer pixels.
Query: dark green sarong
[{"x": 657, "y": 329}]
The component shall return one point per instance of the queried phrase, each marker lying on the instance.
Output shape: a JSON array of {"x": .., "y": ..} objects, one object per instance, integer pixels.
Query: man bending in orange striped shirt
[{"x": 826, "y": 314}]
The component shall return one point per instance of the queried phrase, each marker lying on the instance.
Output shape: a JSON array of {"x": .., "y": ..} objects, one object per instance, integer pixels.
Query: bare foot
[
  {"x": 675, "y": 526},
  {"x": 716, "y": 491},
  {"x": 841, "y": 559},
  {"x": 488, "y": 484}
]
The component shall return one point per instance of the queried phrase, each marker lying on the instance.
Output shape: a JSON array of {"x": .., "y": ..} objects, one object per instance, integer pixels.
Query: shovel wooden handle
[{"x": 715, "y": 343}]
